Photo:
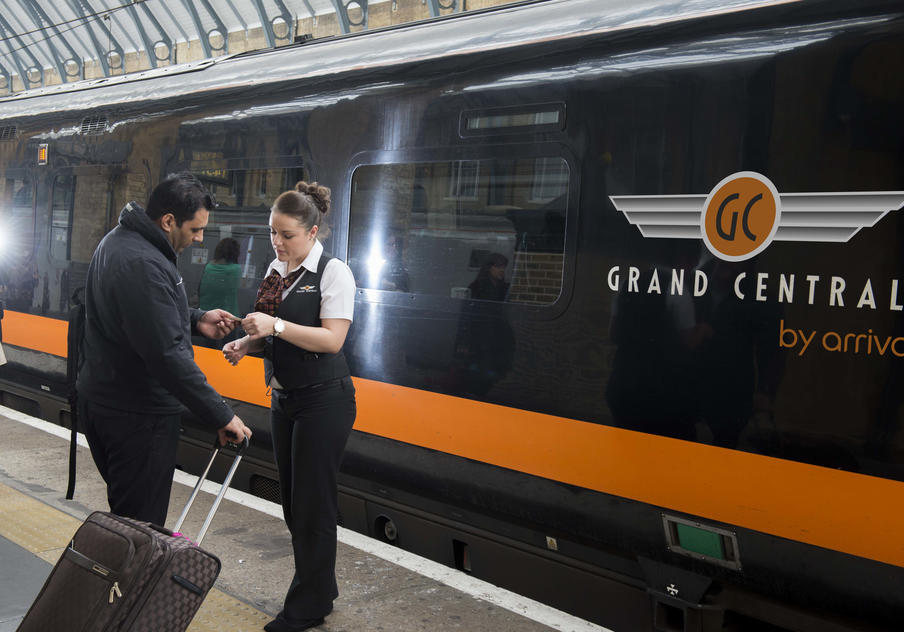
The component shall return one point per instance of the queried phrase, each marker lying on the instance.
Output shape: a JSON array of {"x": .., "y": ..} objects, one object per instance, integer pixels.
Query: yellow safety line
[{"x": 45, "y": 531}]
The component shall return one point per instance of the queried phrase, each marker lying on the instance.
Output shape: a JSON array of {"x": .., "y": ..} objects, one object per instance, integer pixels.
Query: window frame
[
  {"x": 431, "y": 302},
  {"x": 54, "y": 177},
  {"x": 457, "y": 177},
  {"x": 24, "y": 174},
  {"x": 542, "y": 183},
  {"x": 512, "y": 110},
  {"x": 227, "y": 170}
]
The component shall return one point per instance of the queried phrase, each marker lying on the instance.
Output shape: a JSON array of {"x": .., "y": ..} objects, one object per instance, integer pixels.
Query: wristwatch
[{"x": 278, "y": 327}]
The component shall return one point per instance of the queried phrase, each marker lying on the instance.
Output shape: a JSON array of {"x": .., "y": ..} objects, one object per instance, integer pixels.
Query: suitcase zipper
[
  {"x": 154, "y": 576},
  {"x": 114, "y": 591}
]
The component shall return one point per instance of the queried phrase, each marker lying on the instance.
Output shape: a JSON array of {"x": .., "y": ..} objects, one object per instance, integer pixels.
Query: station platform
[{"x": 381, "y": 587}]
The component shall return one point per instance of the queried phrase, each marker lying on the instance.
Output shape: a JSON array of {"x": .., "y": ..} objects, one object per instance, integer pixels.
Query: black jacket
[{"x": 137, "y": 353}]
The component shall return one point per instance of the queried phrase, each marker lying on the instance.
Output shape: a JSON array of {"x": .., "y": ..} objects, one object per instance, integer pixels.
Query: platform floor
[{"x": 381, "y": 587}]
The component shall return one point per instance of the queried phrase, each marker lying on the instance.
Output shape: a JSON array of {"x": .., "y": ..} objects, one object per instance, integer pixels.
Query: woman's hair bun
[{"x": 320, "y": 195}]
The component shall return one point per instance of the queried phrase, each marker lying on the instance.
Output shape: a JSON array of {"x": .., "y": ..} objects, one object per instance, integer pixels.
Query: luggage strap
[{"x": 73, "y": 345}]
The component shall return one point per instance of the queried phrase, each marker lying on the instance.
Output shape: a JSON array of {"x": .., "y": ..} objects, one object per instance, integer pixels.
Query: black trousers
[
  {"x": 136, "y": 456},
  {"x": 310, "y": 429}
]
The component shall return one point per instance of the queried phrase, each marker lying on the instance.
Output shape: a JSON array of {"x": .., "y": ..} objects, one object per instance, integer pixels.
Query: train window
[
  {"x": 542, "y": 117},
  {"x": 550, "y": 181},
  {"x": 17, "y": 235},
  {"x": 464, "y": 179},
  {"x": 491, "y": 229},
  {"x": 225, "y": 270},
  {"x": 17, "y": 230},
  {"x": 62, "y": 206}
]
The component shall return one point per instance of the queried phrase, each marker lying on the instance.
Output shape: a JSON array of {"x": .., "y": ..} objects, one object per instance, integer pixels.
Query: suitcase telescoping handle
[{"x": 216, "y": 503}]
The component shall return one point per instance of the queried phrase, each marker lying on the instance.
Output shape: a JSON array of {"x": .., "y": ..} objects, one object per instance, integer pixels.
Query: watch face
[{"x": 278, "y": 326}]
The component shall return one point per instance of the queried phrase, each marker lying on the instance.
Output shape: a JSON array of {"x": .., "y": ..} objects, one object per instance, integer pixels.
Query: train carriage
[{"x": 628, "y": 333}]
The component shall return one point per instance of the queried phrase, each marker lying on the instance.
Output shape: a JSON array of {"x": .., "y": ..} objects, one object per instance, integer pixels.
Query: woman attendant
[{"x": 303, "y": 312}]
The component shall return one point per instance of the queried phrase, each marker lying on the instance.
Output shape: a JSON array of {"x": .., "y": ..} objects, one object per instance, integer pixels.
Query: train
[{"x": 628, "y": 331}]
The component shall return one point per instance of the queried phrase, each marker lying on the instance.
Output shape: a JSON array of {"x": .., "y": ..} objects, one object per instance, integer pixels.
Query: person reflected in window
[
  {"x": 490, "y": 283},
  {"x": 220, "y": 281},
  {"x": 485, "y": 343},
  {"x": 395, "y": 274}
]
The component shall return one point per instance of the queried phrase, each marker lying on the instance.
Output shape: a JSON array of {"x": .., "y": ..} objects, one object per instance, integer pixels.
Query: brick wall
[{"x": 536, "y": 277}]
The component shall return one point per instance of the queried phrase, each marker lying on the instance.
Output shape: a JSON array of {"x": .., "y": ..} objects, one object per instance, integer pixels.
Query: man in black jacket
[{"x": 138, "y": 366}]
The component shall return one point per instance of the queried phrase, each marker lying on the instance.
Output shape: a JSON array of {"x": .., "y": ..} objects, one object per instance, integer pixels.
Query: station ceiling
[{"x": 64, "y": 35}]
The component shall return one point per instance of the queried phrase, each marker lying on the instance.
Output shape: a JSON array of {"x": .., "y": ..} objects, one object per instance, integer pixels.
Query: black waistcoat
[{"x": 293, "y": 366}]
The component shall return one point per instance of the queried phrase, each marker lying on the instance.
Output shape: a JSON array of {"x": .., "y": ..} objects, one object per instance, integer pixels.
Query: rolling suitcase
[{"x": 119, "y": 574}]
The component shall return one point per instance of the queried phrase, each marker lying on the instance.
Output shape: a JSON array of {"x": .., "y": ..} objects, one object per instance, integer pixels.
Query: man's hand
[
  {"x": 216, "y": 323},
  {"x": 234, "y": 432},
  {"x": 235, "y": 350}
]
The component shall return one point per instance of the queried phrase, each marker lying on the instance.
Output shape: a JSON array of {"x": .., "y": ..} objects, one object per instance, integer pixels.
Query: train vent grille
[
  {"x": 9, "y": 132},
  {"x": 266, "y": 488},
  {"x": 93, "y": 125}
]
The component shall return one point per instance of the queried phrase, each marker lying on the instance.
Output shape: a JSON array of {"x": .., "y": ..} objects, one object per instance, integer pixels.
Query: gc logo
[
  {"x": 740, "y": 216},
  {"x": 744, "y": 213}
]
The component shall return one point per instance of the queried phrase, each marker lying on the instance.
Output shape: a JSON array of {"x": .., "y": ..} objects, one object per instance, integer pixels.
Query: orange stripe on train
[{"x": 852, "y": 513}]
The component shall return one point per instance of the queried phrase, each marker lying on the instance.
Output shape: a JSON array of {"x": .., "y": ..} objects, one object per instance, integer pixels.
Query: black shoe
[{"x": 281, "y": 625}]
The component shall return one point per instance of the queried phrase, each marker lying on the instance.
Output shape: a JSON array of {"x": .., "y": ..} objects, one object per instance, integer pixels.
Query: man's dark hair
[{"x": 181, "y": 194}]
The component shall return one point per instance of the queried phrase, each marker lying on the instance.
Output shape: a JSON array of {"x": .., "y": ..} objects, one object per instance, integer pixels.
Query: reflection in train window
[
  {"x": 17, "y": 221},
  {"x": 465, "y": 179},
  {"x": 63, "y": 203},
  {"x": 80, "y": 214},
  {"x": 490, "y": 229},
  {"x": 17, "y": 236},
  {"x": 225, "y": 270},
  {"x": 550, "y": 179}
]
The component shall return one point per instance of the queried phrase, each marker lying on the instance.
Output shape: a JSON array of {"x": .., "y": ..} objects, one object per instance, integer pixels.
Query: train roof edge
[{"x": 508, "y": 26}]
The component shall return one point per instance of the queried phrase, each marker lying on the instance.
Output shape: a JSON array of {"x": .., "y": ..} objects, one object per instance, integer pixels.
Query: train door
[
  {"x": 245, "y": 168},
  {"x": 17, "y": 239},
  {"x": 78, "y": 214}
]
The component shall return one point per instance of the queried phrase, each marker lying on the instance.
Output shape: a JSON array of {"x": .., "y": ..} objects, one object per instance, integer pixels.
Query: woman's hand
[
  {"x": 236, "y": 350},
  {"x": 258, "y": 325}
]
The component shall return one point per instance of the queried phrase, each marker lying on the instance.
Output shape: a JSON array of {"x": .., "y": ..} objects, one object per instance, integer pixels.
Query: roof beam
[
  {"x": 10, "y": 34},
  {"x": 113, "y": 17},
  {"x": 345, "y": 22},
  {"x": 112, "y": 42},
  {"x": 287, "y": 18},
  {"x": 437, "y": 5},
  {"x": 221, "y": 27},
  {"x": 165, "y": 39},
  {"x": 148, "y": 45},
  {"x": 8, "y": 77},
  {"x": 310, "y": 8},
  {"x": 78, "y": 6},
  {"x": 238, "y": 15},
  {"x": 16, "y": 61},
  {"x": 199, "y": 28},
  {"x": 265, "y": 23},
  {"x": 41, "y": 18},
  {"x": 178, "y": 23}
]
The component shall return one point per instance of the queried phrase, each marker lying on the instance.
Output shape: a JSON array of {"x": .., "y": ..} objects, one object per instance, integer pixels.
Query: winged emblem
[{"x": 814, "y": 217}]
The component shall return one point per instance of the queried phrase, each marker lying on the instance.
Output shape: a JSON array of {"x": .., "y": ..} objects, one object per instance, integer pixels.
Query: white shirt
[{"x": 337, "y": 283}]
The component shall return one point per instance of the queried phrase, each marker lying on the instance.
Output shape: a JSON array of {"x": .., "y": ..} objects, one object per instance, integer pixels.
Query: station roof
[{"x": 36, "y": 35}]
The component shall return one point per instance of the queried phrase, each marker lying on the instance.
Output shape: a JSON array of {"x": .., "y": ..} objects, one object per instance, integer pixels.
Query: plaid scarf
[{"x": 269, "y": 294}]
